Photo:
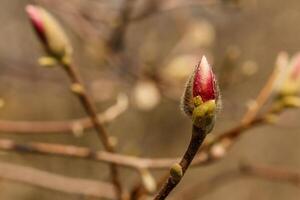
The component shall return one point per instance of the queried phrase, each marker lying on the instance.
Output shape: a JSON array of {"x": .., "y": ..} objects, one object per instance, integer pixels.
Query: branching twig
[
  {"x": 78, "y": 88},
  {"x": 91, "y": 188},
  {"x": 59, "y": 49},
  {"x": 106, "y": 157},
  {"x": 7, "y": 126},
  {"x": 272, "y": 173},
  {"x": 123, "y": 160},
  {"x": 42, "y": 179},
  {"x": 85, "y": 153},
  {"x": 197, "y": 139},
  {"x": 243, "y": 171},
  {"x": 263, "y": 95},
  {"x": 116, "y": 40}
]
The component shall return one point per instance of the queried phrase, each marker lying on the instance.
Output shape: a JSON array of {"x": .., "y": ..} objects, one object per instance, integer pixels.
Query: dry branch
[
  {"x": 8, "y": 126},
  {"x": 263, "y": 172},
  {"x": 84, "y": 153},
  {"x": 46, "y": 180}
]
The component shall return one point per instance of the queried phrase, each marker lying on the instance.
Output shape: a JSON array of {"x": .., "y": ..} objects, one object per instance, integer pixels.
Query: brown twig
[
  {"x": 263, "y": 95},
  {"x": 90, "y": 188},
  {"x": 198, "y": 136},
  {"x": 86, "y": 101},
  {"x": 36, "y": 127},
  {"x": 85, "y": 153},
  {"x": 204, "y": 156},
  {"x": 225, "y": 141},
  {"x": 243, "y": 171},
  {"x": 43, "y": 179},
  {"x": 207, "y": 153},
  {"x": 116, "y": 40},
  {"x": 121, "y": 160},
  {"x": 272, "y": 173}
]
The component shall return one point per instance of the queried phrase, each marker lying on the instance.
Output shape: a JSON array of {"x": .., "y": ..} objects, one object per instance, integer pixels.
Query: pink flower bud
[
  {"x": 49, "y": 32},
  {"x": 201, "y": 84},
  {"x": 35, "y": 17},
  {"x": 204, "y": 84}
]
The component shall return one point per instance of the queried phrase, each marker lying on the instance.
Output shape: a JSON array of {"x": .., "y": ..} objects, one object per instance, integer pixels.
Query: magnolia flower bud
[
  {"x": 50, "y": 32},
  {"x": 201, "y": 96}
]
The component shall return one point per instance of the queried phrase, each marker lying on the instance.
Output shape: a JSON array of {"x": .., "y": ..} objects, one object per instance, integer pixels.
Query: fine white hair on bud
[
  {"x": 204, "y": 84},
  {"x": 186, "y": 104},
  {"x": 201, "y": 85}
]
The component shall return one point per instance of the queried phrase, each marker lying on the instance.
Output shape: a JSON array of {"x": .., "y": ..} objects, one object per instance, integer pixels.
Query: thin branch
[
  {"x": 263, "y": 95},
  {"x": 85, "y": 153},
  {"x": 133, "y": 162},
  {"x": 106, "y": 157},
  {"x": 272, "y": 173},
  {"x": 116, "y": 40},
  {"x": 197, "y": 139},
  {"x": 78, "y": 88},
  {"x": 46, "y": 180},
  {"x": 205, "y": 187},
  {"x": 171, "y": 5},
  {"x": 90, "y": 188},
  {"x": 264, "y": 172},
  {"x": 149, "y": 9},
  {"x": 36, "y": 127},
  {"x": 224, "y": 142}
]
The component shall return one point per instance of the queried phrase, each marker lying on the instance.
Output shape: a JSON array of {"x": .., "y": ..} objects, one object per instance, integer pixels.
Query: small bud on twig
[
  {"x": 291, "y": 102},
  {"x": 47, "y": 61},
  {"x": 199, "y": 102},
  {"x": 50, "y": 32},
  {"x": 176, "y": 172},
  {"x": 77, "y": 88}
]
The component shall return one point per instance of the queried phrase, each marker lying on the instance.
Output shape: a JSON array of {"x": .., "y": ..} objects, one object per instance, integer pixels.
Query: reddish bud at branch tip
[
  {"x": 204, "y": 81},
  {"x": 35, "y": 17},
  {"x": 50, "y": 32},
  {"x": 201, "y": 84}
]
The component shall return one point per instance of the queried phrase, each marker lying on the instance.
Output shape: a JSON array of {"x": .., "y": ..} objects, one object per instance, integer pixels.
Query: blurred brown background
[{"x": 167, "y": 43}]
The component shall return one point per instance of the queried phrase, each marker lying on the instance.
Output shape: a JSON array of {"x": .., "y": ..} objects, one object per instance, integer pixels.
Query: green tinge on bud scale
[
  {"x": 50, "y": 32},
  {"x": 201, "y": 96}
]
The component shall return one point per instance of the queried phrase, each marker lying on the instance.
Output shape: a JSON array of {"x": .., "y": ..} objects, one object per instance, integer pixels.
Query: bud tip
[
  {"x": 35, "y": 17},
  {"x": 204, "y": 81}
]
